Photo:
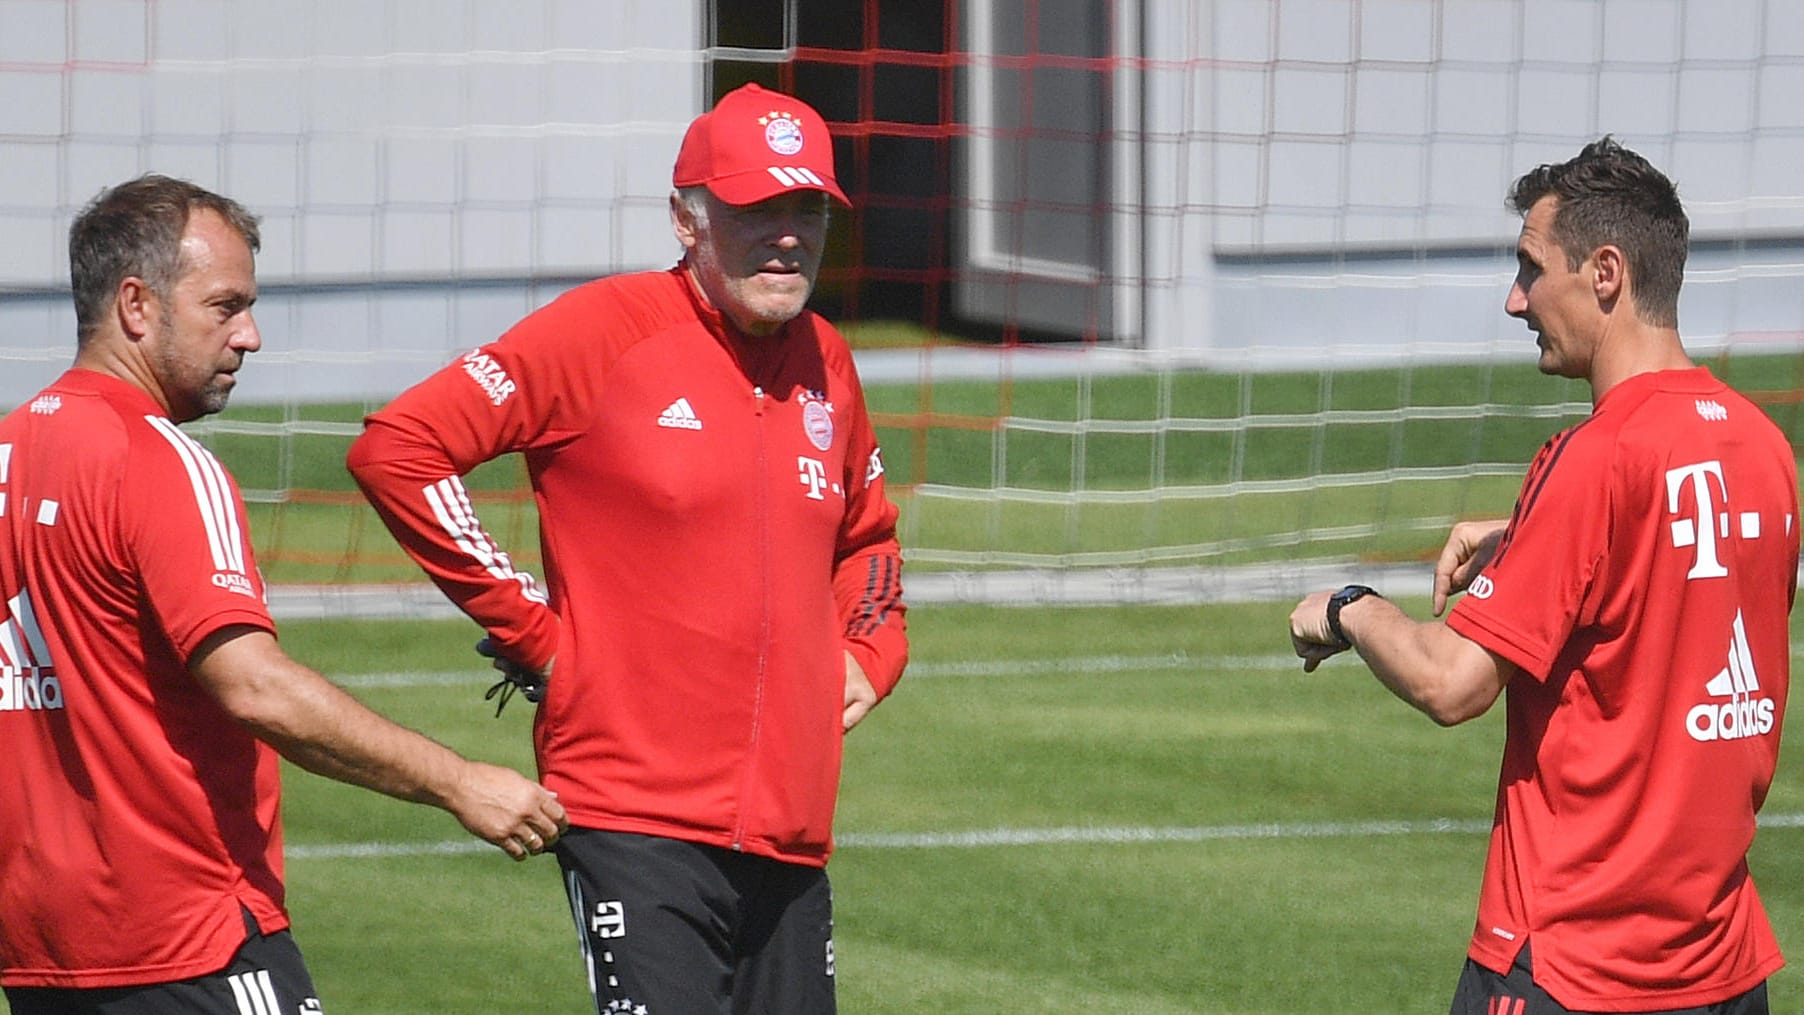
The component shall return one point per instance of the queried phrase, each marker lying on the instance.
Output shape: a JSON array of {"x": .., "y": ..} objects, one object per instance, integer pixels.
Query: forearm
[
  {"x": 315, "y": 724},
  {"x": 868, "y": 593},
  {"x": 321, "y": 728},
  {"x": 1429, "y": 665},
  {"x": 362, "y": 748}
]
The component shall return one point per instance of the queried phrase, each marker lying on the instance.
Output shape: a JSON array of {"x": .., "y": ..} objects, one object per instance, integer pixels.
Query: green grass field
[{"x": 1157, "y": 739}]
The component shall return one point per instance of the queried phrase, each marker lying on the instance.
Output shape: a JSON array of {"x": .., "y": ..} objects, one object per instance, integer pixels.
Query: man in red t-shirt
[
  {"x": 143, "y": 698},
  {"x": 1635, "y": 608}
]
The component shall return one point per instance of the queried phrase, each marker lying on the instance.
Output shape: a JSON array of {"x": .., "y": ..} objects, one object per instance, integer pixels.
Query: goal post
[{"x": 1132, "y": 285}]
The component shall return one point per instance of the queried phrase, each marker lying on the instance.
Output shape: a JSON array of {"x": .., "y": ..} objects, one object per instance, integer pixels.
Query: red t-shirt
[
  {"x": 136, "y": 816},
  {"x": 1643, "y": 588}
]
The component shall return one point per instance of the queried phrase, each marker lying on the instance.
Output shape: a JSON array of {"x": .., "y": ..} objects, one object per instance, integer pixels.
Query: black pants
[
  {"x": 1482, "y": 992},
  {"x": 265, "y": 977},
  {"x": 679, "y": 927}
]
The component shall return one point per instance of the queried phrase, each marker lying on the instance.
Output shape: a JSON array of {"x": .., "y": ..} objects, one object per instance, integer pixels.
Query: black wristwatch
[{"x": 1337, "y": 601}]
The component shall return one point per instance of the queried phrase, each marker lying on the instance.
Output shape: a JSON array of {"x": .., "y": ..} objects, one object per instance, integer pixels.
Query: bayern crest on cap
[{"x": 756, "y": 144}]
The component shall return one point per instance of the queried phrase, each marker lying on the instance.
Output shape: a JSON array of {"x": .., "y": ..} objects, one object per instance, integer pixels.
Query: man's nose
[{"x": 249, "y": 337}]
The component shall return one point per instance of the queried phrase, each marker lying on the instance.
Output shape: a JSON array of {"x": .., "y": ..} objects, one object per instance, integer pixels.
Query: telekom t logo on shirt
[{"x": 1707, "y": 523}]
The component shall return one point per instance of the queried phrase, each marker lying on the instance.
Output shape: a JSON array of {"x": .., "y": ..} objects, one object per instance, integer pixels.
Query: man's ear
[
  {"x": 1609, "y": 273},
  {"x": 682, "y": 221},
  {"x": 137, "y": 307}
]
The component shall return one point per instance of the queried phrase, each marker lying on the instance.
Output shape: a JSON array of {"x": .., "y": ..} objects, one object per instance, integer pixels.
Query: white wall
[
  {"x": 1330, "y": 175},
  {"x": 397, "y": 151}
]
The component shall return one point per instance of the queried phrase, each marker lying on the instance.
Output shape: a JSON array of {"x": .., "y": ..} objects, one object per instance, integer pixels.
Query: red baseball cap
[{"x": 755, "y": 144}]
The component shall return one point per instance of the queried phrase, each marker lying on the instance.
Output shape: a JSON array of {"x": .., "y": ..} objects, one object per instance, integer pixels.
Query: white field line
[
  {"x": 916, "y": 671},
  {"x": 1178, "y": 660},
  {"x": 1014, "y": 837}
]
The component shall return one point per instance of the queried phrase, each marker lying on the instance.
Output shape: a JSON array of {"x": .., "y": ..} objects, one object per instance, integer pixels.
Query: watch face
[{"x": 1340, "y": 599}]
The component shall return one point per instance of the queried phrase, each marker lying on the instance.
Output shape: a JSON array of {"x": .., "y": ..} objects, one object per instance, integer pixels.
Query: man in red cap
[{"x": 723, "y": 595}]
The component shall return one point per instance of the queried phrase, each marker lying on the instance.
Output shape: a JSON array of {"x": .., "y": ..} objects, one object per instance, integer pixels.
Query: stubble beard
[
  {"x": 203, "y": 399},
  {"x": 772, "y": 307}
]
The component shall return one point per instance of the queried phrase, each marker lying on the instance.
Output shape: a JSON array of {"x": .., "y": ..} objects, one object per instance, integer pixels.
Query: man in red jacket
[
  {"x": 723, "y": 594},
  {"x": 1635, "y": 609}
]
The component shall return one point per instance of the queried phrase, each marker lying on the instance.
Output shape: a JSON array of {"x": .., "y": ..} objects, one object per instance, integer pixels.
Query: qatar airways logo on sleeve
[
  {"x": 489, "y": 375},
  {"x": 234, "y": 581}
]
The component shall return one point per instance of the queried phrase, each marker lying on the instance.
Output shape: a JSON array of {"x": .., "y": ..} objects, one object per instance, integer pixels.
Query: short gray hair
[
  {"x": 695, "y": 202},
  {"x": 136, "y": 229}
]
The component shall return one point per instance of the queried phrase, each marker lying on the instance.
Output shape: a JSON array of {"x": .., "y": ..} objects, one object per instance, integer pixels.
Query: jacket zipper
[{"x": 762, "y": 506}]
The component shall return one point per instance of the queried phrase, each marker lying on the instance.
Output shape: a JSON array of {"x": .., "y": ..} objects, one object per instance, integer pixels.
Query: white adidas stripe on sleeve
[
  {"x": 212, "y": 495},
  {"x": 450, "y": 503}
]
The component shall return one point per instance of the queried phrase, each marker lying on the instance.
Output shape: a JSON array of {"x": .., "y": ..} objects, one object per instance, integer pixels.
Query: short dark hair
[
  {"x": 135, "y": 229},
  {"x": 1608, "y": 194}
]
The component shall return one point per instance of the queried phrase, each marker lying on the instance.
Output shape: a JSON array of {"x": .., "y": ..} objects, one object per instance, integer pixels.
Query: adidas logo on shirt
[
  {"x": 1744, "y": 714},
  {"x": 680, "y": 416},
  {"x": 28, "y": 680}
]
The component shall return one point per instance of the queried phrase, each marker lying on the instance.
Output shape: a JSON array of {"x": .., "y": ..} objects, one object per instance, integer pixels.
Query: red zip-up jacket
[{"x": 716, "y": 537}]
